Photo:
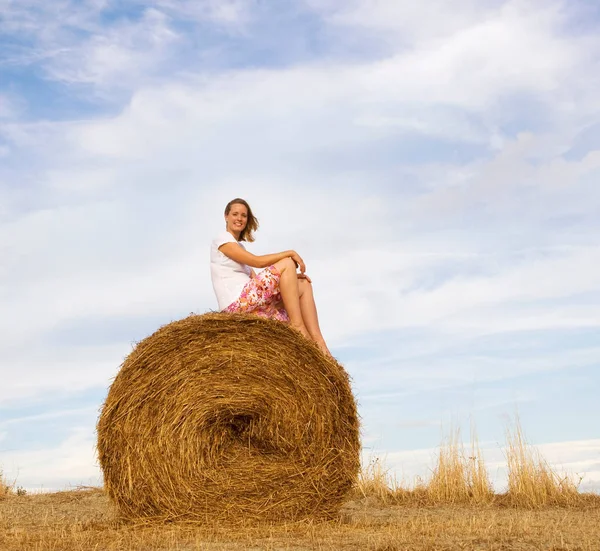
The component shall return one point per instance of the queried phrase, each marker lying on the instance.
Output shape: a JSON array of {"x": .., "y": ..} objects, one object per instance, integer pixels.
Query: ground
[{"x": 85, "y": 520}]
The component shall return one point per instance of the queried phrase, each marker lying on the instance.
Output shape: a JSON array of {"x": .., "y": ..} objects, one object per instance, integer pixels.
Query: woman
[{"x": 240, "y": 289}]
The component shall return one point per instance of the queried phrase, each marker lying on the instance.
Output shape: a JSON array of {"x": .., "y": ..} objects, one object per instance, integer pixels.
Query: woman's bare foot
[
  {"x": 321, "y": 344},
  {"x": 302, "y": 329}
]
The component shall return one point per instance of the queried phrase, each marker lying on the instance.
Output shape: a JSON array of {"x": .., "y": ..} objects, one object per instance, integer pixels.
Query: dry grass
[
  {"x": 532, "y": 482},
  {"x": 208, "y": 418},
  {"x": 460, "y": 476},
  {"x": 84, "y": 520},
  {"x": 5, "y": 487}
]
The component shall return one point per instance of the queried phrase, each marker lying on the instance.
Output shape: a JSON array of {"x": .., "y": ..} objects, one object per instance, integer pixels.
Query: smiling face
[{"x": 236, "y": 219}]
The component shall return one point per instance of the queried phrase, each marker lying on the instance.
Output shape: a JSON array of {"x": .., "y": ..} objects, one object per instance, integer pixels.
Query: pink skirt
[{"x": 261, "y": 296}]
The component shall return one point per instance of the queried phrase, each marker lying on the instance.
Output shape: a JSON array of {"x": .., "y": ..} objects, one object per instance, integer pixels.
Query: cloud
[
  {"x": 69, "y": 464},
  {"x": 408, "y": 22},
  {"x": 121, "y": 55},
  {"x": 401, "y": 374},
  {"x": 232, "y": 14},
  {"x": 7, "y": 107},
  {"x": 167, "y": 157},
  {"x": 430, "y": 183},
  {"x": 103, "y": 50},
  {"x": 31, "y": 374},
  {"x": 45, "y": 416}
]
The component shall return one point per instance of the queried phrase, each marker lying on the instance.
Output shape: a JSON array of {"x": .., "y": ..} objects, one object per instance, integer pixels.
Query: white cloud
[
  {"x": 406, "y": 20},
  {"x": 401, "y": 373},
  {"x": 110, "y": 49},
  {"x": 46, "y": 416},
  {"x": 7, "y": 107},
  {"x": 179, "y": 151},
  {"x": 69, "y": 464},
  {"x": 119, "y": 56},
  {"x": 488, "y": 60},
  {"x": 32, "y": 373},
  {"x": 232, "y": 14}
]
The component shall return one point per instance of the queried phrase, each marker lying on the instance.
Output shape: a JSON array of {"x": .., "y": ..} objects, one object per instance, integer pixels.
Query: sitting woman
[{"x": 240, "y": 289}]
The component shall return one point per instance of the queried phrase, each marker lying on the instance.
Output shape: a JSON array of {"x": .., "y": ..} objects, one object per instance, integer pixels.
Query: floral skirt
[{"x": 261, "y": 296}]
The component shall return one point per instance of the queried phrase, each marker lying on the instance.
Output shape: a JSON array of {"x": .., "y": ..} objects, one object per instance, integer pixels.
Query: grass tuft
[
  {"x": 532, "y": 482},
  {"x": 374, "y": 481},
  {"x": 460, "y": 476},
  {"x": 6, "y": 489}
]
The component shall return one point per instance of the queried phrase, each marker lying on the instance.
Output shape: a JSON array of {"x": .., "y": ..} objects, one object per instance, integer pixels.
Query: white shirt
[{"x": 228, "y": 276}]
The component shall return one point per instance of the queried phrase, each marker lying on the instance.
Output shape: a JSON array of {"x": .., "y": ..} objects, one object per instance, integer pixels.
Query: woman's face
[{"x": 237, "y": 218}]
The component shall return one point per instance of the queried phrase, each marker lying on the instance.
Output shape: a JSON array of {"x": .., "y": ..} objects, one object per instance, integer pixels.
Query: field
[
  {"x": 83, "y": 520},
  {"x": 455, "y": 509}
]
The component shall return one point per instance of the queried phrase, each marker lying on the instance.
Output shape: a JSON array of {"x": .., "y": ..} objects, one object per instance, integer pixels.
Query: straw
[{"x": 228, "y": 416}]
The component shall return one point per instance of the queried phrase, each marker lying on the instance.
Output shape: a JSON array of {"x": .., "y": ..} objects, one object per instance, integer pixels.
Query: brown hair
[{"x": 251, "y": 225}]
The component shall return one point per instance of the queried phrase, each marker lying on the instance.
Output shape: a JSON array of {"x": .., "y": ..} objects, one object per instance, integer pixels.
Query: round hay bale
[{"x": 228, "y": 416}]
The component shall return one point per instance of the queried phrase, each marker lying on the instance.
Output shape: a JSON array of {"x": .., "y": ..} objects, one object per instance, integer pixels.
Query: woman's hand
[
  {"x": 299, "y": 262},
  {"x": 304, "y": 276}
]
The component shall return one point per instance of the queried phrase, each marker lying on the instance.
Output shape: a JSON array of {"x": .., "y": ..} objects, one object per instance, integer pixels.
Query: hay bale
[{"x": 228, "y": 416}]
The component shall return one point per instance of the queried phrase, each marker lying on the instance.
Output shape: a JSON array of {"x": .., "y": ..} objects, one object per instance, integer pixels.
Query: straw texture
[{"x": 229, "y": 416}]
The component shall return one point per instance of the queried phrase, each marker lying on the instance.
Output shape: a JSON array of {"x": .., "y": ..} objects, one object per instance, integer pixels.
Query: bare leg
[
  {"x": 288, "y": 285},
  {"x": 309, "y": 314}
]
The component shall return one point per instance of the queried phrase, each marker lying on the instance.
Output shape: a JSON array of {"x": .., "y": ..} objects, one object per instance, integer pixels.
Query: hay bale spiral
[{"x": 222, "y": 415}]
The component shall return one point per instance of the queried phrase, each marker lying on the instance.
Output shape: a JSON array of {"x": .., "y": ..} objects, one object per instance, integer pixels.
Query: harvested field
[{"x": 84, "y": 520}]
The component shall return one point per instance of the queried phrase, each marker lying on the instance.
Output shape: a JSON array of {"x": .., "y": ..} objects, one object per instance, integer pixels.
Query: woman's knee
[
  {"x": 304, "y": 285},
  {"x": 285, "y": 264}
]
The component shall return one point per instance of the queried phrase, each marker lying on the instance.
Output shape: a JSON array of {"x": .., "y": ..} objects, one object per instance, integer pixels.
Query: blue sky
[{"x": 436, "y": 166}]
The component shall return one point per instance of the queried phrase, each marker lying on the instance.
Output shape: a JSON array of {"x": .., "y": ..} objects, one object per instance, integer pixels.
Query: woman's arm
[{"x": 241, "y": 255}]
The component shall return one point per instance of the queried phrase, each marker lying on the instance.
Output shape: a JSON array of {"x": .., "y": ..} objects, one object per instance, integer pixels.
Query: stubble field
[{"x": 84, "y": 520}]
